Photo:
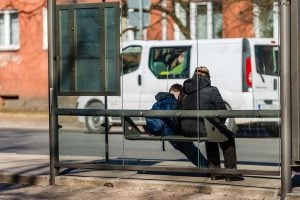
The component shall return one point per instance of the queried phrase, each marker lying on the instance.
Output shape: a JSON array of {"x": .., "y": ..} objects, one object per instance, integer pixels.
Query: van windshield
[
  {"x": 267, "y": 60},
  {"x": 131, "y": 58}
]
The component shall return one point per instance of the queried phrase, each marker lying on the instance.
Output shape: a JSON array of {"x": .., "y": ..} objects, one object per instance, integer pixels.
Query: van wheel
[
  {"x": 230, "y": 122},
  {"x": 94, "y": 124}
]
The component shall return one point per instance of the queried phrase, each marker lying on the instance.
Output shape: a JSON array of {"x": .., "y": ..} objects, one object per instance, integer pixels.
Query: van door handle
[
  {"x": 275, "y": 84},
  {"x": 268, "y": 101},
  {"x": 139, "y": 80}
]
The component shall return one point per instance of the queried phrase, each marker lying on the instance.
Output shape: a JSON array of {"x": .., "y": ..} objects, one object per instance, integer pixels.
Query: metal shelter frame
[{"x": 286, "y": 8}]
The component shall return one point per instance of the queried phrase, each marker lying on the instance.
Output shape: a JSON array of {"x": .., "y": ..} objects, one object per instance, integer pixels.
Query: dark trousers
[
  {"x": 229, "y": 153},
  {"x": 191, "y": 152}
]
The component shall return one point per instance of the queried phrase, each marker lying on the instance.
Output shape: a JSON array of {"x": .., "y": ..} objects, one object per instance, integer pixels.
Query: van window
[
  {"x": 267, "y": 60},
  {"x": 131, "y": 58},
  {"x": 170, "y": 62}
]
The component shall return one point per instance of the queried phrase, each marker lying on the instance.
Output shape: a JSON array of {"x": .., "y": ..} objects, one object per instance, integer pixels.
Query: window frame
[
  {"x": 135, "y": 12},
  {"x": 135, "y": 69},
  {"x": 274, "y": 63},
  {"x": 183, "y": 18},
  {"x": 258, "y": 25},
  {"x": 209, "y": 21},
  {"x": 7, "y": 46},
  {"x": 45, "y": 28},
  {"x": 184, "y": 75}
]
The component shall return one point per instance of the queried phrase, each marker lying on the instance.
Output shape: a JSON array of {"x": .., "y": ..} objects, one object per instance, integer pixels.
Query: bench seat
[{"x": 132, "y": 132}]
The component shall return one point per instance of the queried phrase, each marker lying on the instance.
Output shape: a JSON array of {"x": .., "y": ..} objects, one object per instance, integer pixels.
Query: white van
[{"x": 245, "y": 70}]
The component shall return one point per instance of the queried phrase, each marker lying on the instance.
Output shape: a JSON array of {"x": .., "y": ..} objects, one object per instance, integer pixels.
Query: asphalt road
[{"x": 78, "y": 143}]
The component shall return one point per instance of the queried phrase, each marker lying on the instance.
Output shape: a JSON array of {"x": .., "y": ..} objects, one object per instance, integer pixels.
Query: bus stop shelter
[{"x": 289, "y": 91}]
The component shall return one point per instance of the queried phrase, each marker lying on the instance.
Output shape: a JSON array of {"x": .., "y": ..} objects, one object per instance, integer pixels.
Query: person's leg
[
  {"x": 230, "y": 161},
  {"x": 213, "y": 157},
  {"x": 229, "y": 153},
  {"x": 192, "y": 153}
]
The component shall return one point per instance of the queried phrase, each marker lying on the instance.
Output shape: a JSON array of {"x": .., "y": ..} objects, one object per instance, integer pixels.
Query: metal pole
[
  {"x": 285, "y": 97},
  {"x": 106, "y": 131},
  {"x": 106, "y": 126},
  {"x": 52, "y": 92},
  {"x": 295, "y": 77}
]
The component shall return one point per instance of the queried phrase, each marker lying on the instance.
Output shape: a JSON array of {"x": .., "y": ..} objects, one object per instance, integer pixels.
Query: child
[{"x": 165, "y": 101}]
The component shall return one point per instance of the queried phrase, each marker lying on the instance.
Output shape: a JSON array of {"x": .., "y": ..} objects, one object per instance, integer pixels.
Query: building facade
[
  {"x": 23, "y": 52},
  {"x": 23, "y": 35},
  {"x": 200, "y": 19}
]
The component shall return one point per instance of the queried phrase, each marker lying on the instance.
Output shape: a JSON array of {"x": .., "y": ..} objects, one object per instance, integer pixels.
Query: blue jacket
[{"x": 163, "y": 126}]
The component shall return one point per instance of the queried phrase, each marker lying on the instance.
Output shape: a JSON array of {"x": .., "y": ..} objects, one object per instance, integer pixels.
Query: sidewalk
[
  {"x": 22, "y": 169},
  {"x": 34, "y": 170}
]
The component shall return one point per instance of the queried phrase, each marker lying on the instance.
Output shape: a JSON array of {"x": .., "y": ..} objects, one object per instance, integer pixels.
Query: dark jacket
[
  {"x": 163, "y": 126},
  {"x": 199, "y": 95}
]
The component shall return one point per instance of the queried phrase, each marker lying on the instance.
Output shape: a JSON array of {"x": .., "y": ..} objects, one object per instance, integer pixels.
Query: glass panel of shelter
[
  {"x": 257, "y": 144},
  {"x": 75, "y": 145},
  {"x": 146, "y": 71}
]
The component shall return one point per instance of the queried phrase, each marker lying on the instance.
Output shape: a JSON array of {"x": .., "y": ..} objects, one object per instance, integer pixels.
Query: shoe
[
  {"x": 237, "y": 177},
  {"x": 215, "y": 177}
]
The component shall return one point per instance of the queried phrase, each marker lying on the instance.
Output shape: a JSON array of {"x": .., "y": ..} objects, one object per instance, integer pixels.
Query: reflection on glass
[
  {"x": 87, "y": 33},
  {"x": 87, "y": 69},
  {"x": 110, "y": 55},
  {"x": 65, "y": 75},
  {"x": 87, "y": 75},
  {"x": 64, "y": 68}
]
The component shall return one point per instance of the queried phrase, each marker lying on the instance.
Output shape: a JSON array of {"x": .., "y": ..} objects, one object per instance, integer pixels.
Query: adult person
[
  {"x": 177, "y": 65},
  {"x": 200, "y": 95},
  {"x": 169, "y": 126}
]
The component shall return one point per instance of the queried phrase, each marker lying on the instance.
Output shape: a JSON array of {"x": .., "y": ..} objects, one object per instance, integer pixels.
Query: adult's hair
[{"x": 202, "y": 71}]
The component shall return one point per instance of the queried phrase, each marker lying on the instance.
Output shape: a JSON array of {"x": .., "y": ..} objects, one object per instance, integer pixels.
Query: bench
[{"x": 132, "y": 132}]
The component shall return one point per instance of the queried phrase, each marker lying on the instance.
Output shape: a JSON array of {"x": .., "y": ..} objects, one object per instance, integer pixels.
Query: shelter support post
[
  {"x": 53, "y": 119},
  {"x": 285, "y": 96}
]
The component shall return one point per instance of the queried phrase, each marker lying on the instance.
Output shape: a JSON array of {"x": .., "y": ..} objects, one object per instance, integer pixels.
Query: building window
[
  {"x": 266, "y": 19},
  {"x": 137, "y": 18},
  {"x": 9, "y": 30},
  {"x": 45, "y": 29},
  {"x": 181, "y": 10},
  {"x": 206, "y": 20}
]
